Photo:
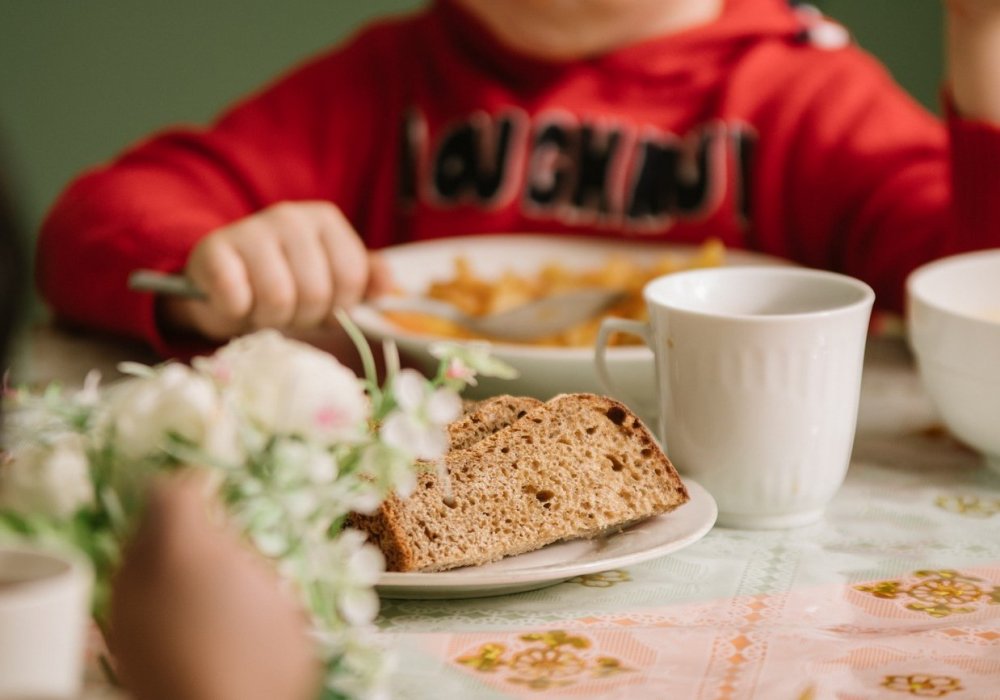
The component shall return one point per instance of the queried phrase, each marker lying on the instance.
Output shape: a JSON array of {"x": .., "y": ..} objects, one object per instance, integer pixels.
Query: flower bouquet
[{"x": 295, "y": 442}]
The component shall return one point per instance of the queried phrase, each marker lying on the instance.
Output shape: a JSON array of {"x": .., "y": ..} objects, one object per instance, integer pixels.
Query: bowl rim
[
  {"x": 370, "y": 322},
  {"x": 380, "y": 330},
  {"x": 916, "y": 294}
]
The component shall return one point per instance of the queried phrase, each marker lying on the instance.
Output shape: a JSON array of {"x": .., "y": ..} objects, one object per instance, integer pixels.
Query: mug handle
[{"x": 611, "y": 325}]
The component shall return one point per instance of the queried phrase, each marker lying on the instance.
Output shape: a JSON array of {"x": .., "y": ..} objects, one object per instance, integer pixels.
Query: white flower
[
  {"x": 457, "y": 369},
  {"x": 291, "y": 388},
  {"x": 176, "y": 400},
  {"x": 51, "y": 480},
  {"x": 290, "y": 434},
  {"x": 270, "y": 543},
  {"x": 90, "y": 393},
  {"x": 355, "y": 567},
  {"x": 367, "y": 502},
  {"x": 305, "y": 463},
  {"x": 376, "y": 469},
  {"x": 418, "y": 424}
]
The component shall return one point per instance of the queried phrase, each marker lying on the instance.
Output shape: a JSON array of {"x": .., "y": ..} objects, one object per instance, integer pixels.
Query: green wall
[
  {"x": 81, "y": 79},
  {"x": 905, "y": 34}
]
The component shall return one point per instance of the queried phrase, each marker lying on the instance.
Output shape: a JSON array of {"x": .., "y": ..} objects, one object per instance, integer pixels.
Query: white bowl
[
  {"x": 953, "y": 318},
  {"x": 544, "y": 371}
]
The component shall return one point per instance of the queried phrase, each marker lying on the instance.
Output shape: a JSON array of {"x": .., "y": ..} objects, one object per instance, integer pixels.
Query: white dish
[
  {"x": 954, "y": 330},
  {"x": 544, "y": 371},
  {"x": 562, "y": 561}
]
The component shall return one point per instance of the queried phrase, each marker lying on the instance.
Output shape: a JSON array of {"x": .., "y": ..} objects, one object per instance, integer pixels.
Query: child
[{"x": 670, "y": 120}]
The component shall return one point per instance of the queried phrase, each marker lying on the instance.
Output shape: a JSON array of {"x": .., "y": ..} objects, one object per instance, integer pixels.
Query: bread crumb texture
[{"x": 524, "y": 474}]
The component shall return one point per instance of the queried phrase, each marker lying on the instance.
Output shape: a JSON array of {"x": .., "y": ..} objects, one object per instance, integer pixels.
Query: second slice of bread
[
  {"x": 486, "y": 417},
  {"x": 575, "y": 466}
]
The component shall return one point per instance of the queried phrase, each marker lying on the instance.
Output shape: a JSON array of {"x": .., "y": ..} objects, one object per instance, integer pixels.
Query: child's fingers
[
  {"x": 272, "y": 280},
  {"x": 288, "y": 266},
  {"x": 299, "y": 231},
  {"x": 346, "y": 255},
  {"x": 380, "y": 280},
  {"x": 217, "y": 268}
]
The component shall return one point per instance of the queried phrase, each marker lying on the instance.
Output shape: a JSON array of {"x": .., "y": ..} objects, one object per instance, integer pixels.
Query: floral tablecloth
[{"x": 895, "y": 594}]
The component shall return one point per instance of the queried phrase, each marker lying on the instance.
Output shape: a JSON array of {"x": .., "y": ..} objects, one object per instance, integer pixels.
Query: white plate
[
  {"x": 558, "y": 562},
  {"x": 544, "y": 371}
]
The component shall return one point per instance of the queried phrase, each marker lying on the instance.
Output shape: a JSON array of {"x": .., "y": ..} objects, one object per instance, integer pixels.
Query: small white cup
[
  {"x": 44, "y": 612},
  {"x": 758, "y": 373}
]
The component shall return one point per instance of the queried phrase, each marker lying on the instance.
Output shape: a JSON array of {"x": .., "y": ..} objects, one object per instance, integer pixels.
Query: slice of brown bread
[
  {"x": 576, "y": 466},
  {"x": 485, "y": 417},
  {"x": 478, "y": 419}
]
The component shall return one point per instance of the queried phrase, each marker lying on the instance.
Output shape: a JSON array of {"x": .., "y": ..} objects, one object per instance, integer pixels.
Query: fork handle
[
  {"x": 181, "y": 286},
  {"x": 424, "y": 305},
  {"x": 164, "y": 283}
]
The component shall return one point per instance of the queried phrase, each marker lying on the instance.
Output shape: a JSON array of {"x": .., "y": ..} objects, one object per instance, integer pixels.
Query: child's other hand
[
  {"x": 197, "y": 614},
  {"x": 288, "y": 267},
  {"x": 974, "y": 58},
  {"x": 973, "y": 9}
]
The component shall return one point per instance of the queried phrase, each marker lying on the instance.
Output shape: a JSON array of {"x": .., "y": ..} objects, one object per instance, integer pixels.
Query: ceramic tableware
[{"x": 758, "y": 375}]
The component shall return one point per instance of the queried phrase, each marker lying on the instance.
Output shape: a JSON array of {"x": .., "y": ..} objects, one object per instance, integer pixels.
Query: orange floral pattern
[
  {"x": 551, "y": 659},
  {"x": 922, "y": 685},
  {"x": 938, "y": 593}
]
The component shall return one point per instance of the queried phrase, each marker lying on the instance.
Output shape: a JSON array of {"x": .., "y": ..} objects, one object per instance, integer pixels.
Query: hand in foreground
[
  {"x": 196, "y": 614},
  {"x": 973, "y": 8},
  {"x": 973, "y": 52},
  {"x": 287, "y": 267}
]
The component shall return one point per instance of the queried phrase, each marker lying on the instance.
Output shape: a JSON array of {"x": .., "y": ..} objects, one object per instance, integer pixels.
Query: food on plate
[
  {"x": 523, "y": 474},
  {"x": 479, "y": 296}
]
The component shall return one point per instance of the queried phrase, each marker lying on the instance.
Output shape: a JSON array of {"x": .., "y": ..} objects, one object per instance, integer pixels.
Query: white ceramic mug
[
  {"x": 758, "y": 372},
  {"x": 44, "y": 612}
]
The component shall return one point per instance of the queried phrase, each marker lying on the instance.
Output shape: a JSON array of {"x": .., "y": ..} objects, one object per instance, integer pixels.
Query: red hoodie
[{"x": 425, "y": 126}]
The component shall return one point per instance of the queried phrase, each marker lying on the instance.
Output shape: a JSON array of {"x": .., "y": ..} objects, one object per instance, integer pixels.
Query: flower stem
[{"x": 361, "y": 344}]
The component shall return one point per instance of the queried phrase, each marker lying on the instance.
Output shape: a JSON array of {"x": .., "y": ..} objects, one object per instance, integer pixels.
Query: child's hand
[
  {"x": 197, "y": 614},
  {"x": 288, "y": 267}
]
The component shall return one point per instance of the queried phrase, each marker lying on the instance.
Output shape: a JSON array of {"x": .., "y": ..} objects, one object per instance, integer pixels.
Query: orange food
[{"x": 478, "y": 296}]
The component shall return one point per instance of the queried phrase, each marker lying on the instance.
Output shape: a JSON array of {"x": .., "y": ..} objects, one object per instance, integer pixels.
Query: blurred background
[{"x": 82, "y": 79}]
